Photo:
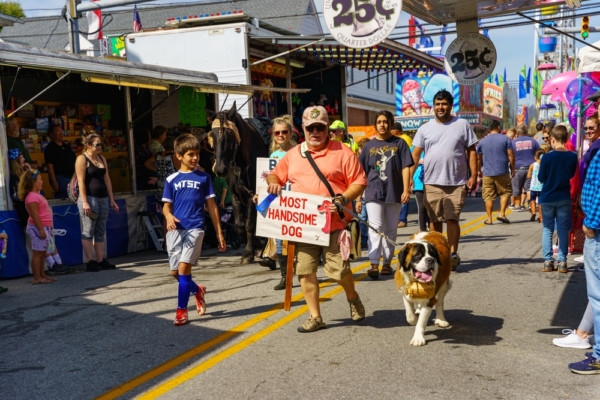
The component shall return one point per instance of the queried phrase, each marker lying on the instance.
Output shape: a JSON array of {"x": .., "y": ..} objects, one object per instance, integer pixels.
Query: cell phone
[{"x": 93, "y": 215}]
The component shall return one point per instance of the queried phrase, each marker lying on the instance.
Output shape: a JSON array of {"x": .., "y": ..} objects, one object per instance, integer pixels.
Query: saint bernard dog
[{"x": 423, "y": 278}]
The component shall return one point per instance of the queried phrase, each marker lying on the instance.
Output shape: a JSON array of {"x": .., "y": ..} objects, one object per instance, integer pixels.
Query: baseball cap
[
  {"x": 337, "y": 124},
  {"x": 315, "y": 115}
]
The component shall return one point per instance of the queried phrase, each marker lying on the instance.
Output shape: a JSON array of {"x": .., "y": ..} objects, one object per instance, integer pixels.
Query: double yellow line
[{"x": 241, "y": 328}]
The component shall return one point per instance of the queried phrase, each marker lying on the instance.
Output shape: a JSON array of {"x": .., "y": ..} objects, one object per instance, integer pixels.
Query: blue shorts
[{"x": 533, "y": 195}]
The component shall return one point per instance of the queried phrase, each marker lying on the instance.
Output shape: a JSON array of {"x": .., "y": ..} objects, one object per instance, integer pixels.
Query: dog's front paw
[
  {"x": 440, "y": 323},
  {"x": 418, "y": 341}
]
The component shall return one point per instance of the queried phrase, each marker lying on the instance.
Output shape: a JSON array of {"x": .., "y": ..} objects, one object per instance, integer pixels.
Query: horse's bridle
[{"x": 221, "y": 123}]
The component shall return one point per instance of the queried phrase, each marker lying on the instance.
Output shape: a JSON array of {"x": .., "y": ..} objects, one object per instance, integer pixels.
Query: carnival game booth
[{"x": 80, "y": 92}]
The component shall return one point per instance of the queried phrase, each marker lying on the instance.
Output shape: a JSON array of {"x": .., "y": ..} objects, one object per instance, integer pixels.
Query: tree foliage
[{"x": 12, "y": 8}]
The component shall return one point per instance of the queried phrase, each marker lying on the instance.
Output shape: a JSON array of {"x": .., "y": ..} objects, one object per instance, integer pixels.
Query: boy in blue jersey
[{"x": 186, "y": 192}]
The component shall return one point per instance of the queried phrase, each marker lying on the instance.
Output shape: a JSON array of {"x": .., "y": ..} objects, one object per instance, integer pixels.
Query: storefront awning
[
  {"x": 387, "y": 56},
  {"x": 113, "y": 71}
]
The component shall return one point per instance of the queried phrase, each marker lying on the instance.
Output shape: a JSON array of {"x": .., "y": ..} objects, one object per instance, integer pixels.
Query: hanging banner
[
  {"x": 470, "y": 59},
  {"x": 292, "y": 216},
  {"x": 361, "y": 23}
]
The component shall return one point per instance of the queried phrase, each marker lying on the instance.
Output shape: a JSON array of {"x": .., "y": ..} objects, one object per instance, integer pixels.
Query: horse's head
[{"x": 225, "y": 138}]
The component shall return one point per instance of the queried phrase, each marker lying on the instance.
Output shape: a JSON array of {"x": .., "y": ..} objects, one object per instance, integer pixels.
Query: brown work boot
[
  {"x": 312, "y": 324},
  {"x": 357, "y": 310}
]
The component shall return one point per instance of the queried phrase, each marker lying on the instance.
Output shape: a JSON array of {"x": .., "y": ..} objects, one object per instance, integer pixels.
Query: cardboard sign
[
  {"x": 361, "y": 24},
  {"x": 291, "y": 216},
  {"x": 294, "y": 216},
  {"x": 191, "y": 107},
  {"x": 263, "y": 167},
  {"x": 470, "y": 59}
]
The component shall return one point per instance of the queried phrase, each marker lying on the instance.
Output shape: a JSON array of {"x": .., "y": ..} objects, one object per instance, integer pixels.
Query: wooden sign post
[{"x": 289, "y": 276}]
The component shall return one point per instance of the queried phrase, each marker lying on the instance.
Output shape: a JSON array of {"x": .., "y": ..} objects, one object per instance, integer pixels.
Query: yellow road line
[
  {"x": 225, "y": 354},
  {"x": 241, "y": 328},
  {"x": 180, "y": 359}
]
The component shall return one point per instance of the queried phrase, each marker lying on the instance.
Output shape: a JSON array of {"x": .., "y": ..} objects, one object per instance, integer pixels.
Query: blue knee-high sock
[
  {"x": 193, "y": 287},
  {"x": 184, "y": 291}
]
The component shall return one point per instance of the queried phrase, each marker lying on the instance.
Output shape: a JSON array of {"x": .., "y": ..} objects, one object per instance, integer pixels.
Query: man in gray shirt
[{"x": 448, "y": 143}]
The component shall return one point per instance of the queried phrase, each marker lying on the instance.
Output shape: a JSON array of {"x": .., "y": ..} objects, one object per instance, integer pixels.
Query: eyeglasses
[
  {"x": 319, "y": 128},
  {"x": 545, "y": 137},
  {"x": 590, "y": 128},
  {"x": 283, "y": 132},
  {"x": 35, "y": 173}
]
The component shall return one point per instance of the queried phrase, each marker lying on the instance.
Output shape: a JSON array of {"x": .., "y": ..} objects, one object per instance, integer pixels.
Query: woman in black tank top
[{"x": 95, "y": 198}]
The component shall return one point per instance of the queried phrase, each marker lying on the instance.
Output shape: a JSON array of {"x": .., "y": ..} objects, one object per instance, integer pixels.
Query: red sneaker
[
  {"x": 181, "y": 317},
  {"x": 200, "y": 303}
]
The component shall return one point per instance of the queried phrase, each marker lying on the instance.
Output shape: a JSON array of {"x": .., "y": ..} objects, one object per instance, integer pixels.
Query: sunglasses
[
  {"x": 97, "y": 145},
  {"x": 590, "y": 128},
  {"x": 319, "y": 128},
  {"x": 545, "y": 137},
  {"x": 283, "y": 132}
]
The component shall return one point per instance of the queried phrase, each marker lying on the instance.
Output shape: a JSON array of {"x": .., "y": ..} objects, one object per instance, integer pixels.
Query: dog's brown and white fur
[{"x": 426, "y": 255}]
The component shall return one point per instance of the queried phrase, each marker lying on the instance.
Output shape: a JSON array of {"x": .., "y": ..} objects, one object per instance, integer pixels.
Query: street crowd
[{"x": 440, "y": 165}]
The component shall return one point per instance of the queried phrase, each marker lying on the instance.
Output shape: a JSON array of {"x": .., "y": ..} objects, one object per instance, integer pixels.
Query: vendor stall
[{"x": 80, "y": 92}]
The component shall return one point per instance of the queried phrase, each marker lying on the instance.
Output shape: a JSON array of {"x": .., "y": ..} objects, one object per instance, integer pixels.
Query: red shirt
[{"x": 337, "y": 163}]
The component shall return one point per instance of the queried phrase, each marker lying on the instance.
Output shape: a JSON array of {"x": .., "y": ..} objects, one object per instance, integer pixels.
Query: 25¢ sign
[
  {"x": 361, "y": 23},
  {"x": 470, "y": 59}
]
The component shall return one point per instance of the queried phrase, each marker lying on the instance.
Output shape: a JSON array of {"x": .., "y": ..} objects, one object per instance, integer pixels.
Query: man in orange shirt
[{"x": 341, "y": 168}]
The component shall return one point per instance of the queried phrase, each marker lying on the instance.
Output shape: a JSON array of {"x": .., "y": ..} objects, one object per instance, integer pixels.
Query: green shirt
[
  {"x": 219, "y": 184},
  {"x": 18, "y": 144}
]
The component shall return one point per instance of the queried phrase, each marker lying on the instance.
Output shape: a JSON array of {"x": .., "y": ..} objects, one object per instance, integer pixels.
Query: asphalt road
[{"x": 110, "y": 334}]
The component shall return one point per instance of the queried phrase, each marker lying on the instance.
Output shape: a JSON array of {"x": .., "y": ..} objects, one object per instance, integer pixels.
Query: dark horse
[{"x": 237, "y": 146}]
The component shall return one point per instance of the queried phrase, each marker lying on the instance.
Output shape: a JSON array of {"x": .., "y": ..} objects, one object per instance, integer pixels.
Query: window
[
  {"x": 373, "y": 80},
  {"x": 349, "y": 74},
  {"x": 389, "y": 82}
]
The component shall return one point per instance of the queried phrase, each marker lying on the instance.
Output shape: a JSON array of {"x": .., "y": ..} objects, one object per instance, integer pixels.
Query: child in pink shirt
[{"x": 39, "y": 224}]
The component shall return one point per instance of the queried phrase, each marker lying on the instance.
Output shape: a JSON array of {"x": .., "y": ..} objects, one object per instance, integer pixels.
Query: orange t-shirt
[{"x": 337, "y": 163}]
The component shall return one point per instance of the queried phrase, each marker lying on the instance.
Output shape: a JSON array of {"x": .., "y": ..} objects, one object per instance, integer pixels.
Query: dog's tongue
[{"x": 423, "y": 276}]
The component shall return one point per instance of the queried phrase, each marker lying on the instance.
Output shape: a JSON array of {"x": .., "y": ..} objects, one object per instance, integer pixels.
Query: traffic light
[{"x": 585, "y": 27}]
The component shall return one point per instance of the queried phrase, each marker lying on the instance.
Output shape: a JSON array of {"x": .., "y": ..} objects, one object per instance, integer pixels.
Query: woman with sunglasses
[
  {"x": 281, "y": 142},
  {"x": 95, "y": 197},
  {"x": 592, "y": 133}
]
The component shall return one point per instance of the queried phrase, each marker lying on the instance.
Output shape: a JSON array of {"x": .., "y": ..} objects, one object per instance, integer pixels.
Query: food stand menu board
[
  {"x": 167, "y": 114},
  {"x": 191, "y": 107}
]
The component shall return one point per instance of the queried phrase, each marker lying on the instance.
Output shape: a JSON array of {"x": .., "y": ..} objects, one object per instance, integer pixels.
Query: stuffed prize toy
[{"x": 3, "y": 246}]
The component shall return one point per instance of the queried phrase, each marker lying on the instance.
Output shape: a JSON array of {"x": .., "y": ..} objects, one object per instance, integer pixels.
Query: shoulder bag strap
[{"x": 322, "y": 178}]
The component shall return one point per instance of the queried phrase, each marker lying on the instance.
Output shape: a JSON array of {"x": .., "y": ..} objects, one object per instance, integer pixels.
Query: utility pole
[{"x": 75, "y": 8}]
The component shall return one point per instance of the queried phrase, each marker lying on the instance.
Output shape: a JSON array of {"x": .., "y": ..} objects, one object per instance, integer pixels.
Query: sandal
[
  {"x": 373, "y": 272},
  {"x": 488, "y": 223},
  {"x": 387, "y": 270}
]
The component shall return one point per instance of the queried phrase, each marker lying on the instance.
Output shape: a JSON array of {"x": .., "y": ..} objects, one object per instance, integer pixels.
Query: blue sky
[{"x": 514, "y": 46}]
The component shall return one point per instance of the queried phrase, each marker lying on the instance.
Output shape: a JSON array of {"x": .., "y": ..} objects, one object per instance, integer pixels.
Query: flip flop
[
  {"x": 504, "y": 220},
  {"x": 373, "y": 273},
  {"x": 386, "y": 270},
  {"x": 59, "y": 232},
  {"x": 488, "y": 223}
]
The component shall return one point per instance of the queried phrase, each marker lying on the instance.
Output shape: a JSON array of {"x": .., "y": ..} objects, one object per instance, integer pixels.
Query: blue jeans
[
  {"x": 364, "y": 230},
  {"x": 404, "y": 213},
  {"x": 557, "y": 214},
  {"x": 63, "y": 182},
  {"x": 591, "y": 260}
]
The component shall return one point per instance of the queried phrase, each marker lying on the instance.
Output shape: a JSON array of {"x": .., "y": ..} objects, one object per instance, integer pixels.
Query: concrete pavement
[{"x": 110, "y": 333}]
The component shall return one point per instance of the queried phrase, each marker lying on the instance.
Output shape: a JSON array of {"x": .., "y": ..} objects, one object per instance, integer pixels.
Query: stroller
[{"x": 232, "y": 237}]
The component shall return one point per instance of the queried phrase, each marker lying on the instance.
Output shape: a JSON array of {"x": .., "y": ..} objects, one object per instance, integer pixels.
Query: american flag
[{"x": 137, "y": 23}]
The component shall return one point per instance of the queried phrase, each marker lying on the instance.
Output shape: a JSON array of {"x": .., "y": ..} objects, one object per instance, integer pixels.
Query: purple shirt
[
  {"x": 524, "y": 148},
  {"x": 494, "y": 148}
]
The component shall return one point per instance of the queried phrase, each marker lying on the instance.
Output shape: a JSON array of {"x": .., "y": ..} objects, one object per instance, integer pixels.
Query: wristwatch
[{"x": 344, "y": 199}]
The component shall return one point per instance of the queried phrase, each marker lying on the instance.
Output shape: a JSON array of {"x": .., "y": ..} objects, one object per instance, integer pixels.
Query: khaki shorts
[
  {"x": 494, "y": 186},
  {"x": 444, "y": 202},
  {"x": 309, "y": 255}
]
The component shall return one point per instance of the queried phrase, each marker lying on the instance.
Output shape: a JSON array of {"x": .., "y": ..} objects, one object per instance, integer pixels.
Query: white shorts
[{"x": 184, "y": 246}]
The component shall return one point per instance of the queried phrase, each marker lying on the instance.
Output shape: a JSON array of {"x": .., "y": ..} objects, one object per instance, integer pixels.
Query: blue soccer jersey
[{"x": 188, "y": 192}]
